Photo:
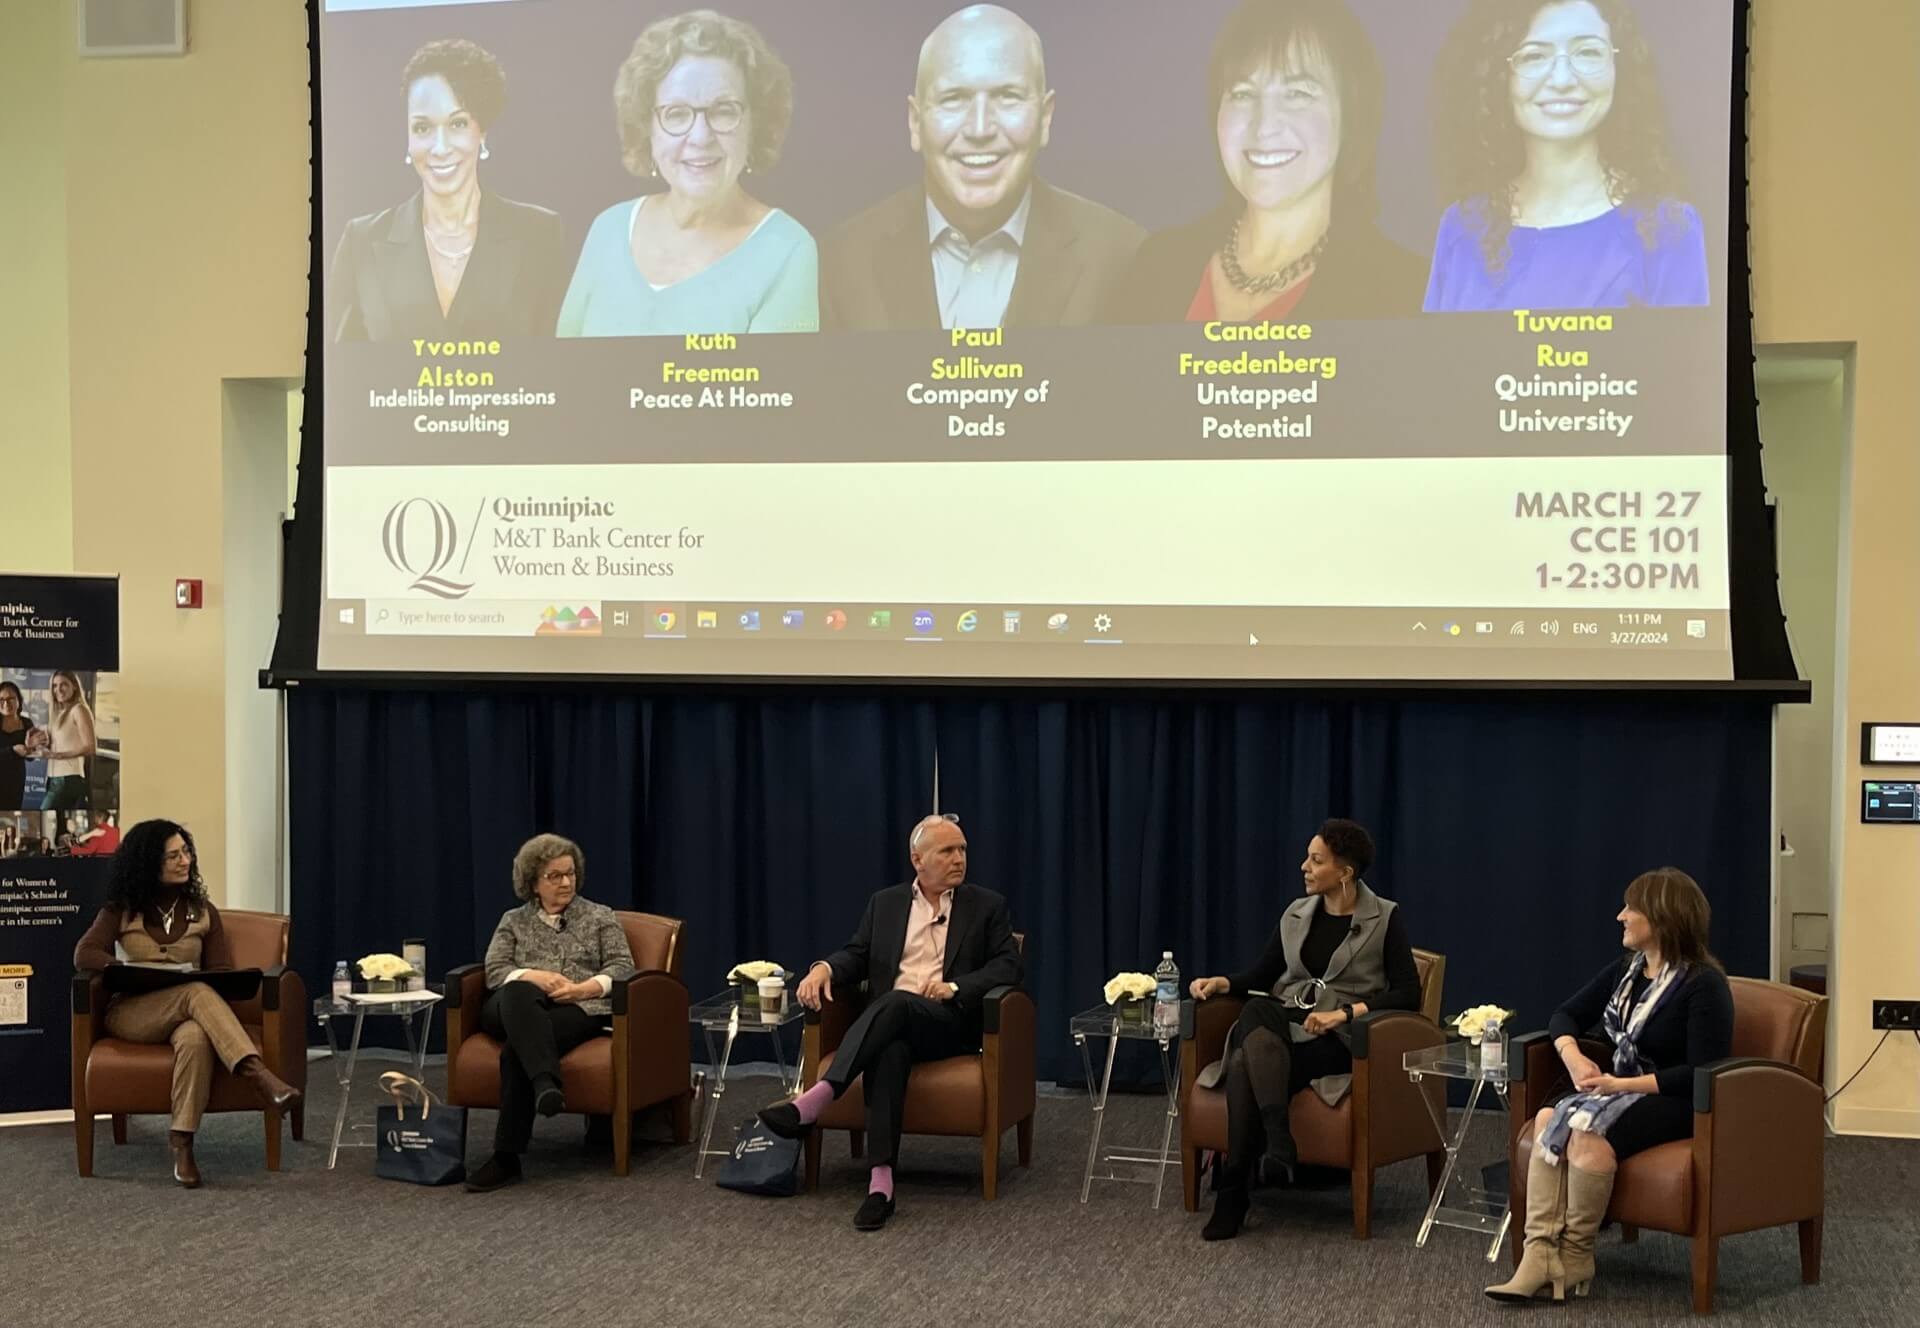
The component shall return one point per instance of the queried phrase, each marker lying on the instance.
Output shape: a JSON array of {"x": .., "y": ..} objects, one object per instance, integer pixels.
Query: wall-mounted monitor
[
  {"x": 1890, "y": 744},
  {"x": 1895, "y": 802}
]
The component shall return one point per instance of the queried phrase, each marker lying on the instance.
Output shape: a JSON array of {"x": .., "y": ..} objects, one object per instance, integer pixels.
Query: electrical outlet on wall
[{"x": 1896, "y": 1014}]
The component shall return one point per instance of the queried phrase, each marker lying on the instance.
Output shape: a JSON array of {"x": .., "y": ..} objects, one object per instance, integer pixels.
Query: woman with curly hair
[
  {"x": 1553, "y": 153},
  {"x": 551, "y": 966},
  {"x": 702, "y": 101},
  {"x": 157, "y": 911}
]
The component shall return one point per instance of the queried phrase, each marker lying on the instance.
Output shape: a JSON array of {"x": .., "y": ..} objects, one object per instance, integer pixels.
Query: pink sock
[
  {"x": 882, "y": 1182},
  {"x": 814, "y": 1101}
]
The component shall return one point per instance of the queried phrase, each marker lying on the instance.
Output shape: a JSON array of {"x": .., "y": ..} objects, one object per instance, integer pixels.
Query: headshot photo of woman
[
  {"x": 68, "y": 743},
  {"x": 15, "y": 729},
  {"x": 702, "y": 102},
  {"x": 1553, "y": 159},
  {"x": 1294, "y": 106},
  {"x": 454, "y": 260}
]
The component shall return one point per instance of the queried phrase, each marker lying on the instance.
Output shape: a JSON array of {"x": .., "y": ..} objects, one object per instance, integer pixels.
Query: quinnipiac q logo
[{"x": 435, "y": 539}]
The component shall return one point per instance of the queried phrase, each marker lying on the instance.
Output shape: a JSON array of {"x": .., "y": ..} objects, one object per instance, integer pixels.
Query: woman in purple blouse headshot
[{"x": 1553, "y": 148}]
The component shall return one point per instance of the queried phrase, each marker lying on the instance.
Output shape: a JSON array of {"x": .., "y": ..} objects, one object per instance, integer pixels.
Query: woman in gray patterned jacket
[{"x": 550, "y": 966}]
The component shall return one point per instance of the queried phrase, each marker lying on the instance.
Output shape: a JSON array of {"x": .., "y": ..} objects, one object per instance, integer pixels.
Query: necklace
[
  {"x": 453, "y": 255},
  {"x": 1238, "y": 278},
  {"x": 166, "y": 916}
]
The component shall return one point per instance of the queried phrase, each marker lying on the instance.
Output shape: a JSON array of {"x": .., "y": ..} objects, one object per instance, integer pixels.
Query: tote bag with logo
[{"x": 425, "y": 1147}]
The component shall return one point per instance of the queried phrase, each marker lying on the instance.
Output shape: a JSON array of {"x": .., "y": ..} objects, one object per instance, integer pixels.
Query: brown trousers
[{"x": 199, "y": 1025}]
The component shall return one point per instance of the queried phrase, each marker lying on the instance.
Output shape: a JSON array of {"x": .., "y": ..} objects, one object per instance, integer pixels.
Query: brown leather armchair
[
  {"x": 1380, "y": 1122},
  {"x": 979, "y": 1094},
  {"x": 1757, "y": 1155},
  {"x": 643, "y": 1063},
  {"x": 127, "y": 1078}
]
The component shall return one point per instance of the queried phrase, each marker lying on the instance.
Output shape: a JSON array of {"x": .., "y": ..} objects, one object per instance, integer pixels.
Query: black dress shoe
[
  {"x": 875, "y": 1209},
  {"x": 548, "y": 1100},
  {"x": 783, "y": 1118},
  {"x": 500, "y": 1169},
  {"x": 1229, "y": 1211}
]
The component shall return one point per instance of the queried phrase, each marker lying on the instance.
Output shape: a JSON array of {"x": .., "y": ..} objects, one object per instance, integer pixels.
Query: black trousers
[
  {"x": 891, "y": 1034},
  {"x": 1264, "y": 1071},
  {"x": 537, "y": 1033}
]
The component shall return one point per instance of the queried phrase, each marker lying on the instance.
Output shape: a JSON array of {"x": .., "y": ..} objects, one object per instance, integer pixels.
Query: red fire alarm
[{"x": 186, "y": 593}]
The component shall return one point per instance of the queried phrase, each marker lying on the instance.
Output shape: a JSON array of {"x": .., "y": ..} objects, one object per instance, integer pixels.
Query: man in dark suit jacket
[
  {"x": 929, "y": 951},
  {"x": 979, "y": 242}
]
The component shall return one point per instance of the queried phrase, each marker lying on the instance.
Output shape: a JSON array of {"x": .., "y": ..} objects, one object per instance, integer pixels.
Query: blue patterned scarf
[{"x": 1624, "y": 1019}]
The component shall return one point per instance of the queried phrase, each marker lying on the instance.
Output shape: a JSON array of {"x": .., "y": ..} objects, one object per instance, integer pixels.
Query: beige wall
[
  {"x": 35, "y": 441},
  {"x": 185, "y": 221},
  {"x": 1835, "y": 207},
  {"x": 186, "y": 206}
]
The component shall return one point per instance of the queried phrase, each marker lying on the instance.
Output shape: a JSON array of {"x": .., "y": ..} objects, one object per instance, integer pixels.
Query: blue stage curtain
[
  {"x": 762, "y": 823},
  {"x": 1506, "y": 828},
  {"x": 1117, "y": 827}
]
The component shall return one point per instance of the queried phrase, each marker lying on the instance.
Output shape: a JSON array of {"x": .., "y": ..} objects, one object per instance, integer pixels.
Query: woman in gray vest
[
  {"x": 1338, "y": 953},
  {"x": 550, "y": 965}
]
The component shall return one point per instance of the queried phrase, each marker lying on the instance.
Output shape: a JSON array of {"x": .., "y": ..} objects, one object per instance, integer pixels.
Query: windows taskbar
[{"x": 747, "y": 624}]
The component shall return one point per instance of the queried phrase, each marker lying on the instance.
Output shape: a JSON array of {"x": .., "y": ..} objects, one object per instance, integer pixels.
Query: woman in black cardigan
[{"x": 1666, "y": 1008}]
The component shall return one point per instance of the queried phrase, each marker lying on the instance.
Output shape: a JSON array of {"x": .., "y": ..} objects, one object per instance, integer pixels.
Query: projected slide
[{"x": 1227, "y": 340}]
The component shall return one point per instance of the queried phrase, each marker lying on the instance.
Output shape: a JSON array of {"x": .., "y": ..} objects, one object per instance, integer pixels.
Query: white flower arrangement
[
  {"x": 1473, "y": 1023},
  {"x": 1129, "y": 986},
  {"x": 755, "y": 969},
  {"x": 384, "y": 967}
]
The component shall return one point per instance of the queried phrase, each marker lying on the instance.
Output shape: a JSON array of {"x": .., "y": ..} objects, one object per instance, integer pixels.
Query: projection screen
[{"x": 1286, "y": 339}]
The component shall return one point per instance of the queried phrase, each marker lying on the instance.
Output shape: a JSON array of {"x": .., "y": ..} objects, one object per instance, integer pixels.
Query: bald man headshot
[
  {"x": 929, "y": 951},
  {"x": 980, "y": 241}
]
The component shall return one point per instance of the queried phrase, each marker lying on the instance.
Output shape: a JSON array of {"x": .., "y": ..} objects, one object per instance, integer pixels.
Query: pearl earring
[
  {"x": 484, "y": 154},
  {"x": 409, "y": 159}
]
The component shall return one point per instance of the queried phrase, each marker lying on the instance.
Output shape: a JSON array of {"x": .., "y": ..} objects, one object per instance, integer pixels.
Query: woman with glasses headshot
[
  {"x": 702, "y": 101},
  {"x": 551, "y": 965},
  {"x": 1553, "y": 152},
  {"x": 1337, "y": 953}
]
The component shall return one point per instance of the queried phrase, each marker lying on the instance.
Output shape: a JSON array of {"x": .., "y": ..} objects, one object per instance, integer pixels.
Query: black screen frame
[{"x": 1763, "y": 664}]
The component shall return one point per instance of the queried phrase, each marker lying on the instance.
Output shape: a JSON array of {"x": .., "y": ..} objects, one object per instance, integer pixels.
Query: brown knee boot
[
  {"x": 273, "y": 1090},
  {"x": 185, "y": 1169}
]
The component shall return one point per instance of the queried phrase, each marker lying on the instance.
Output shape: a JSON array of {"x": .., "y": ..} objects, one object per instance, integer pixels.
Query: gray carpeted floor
[{"x": 576, "y": 1245}]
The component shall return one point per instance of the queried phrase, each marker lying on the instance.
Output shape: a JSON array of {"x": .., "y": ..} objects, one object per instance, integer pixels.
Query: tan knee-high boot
[
  {"x": 1540, "y": 1266},
  {"x": 1587, "y": 1195}
]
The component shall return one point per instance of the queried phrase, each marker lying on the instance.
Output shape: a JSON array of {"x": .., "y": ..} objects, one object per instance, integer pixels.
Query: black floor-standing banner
[{"x": 59, "y": 812}]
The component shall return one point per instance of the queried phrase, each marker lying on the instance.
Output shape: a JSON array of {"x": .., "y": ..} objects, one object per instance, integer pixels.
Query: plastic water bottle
[
  {"x": 1493, "y": 1048},
  {"x": 1166, "y": 996},
  {"x": 342, "y": 981}
]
